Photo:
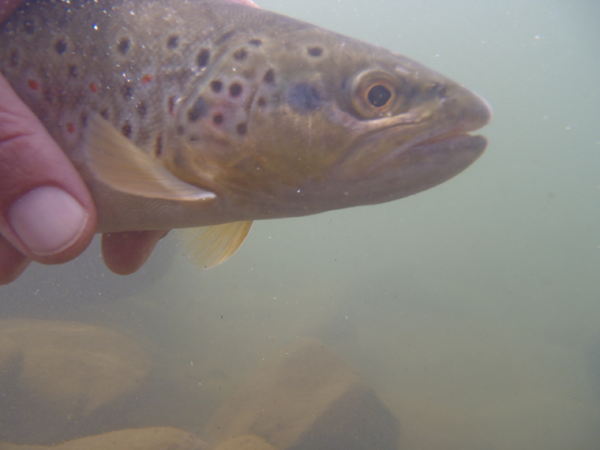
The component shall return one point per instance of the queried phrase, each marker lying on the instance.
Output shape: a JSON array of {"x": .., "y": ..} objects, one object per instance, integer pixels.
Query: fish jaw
[{"x": 410, "y": 154}]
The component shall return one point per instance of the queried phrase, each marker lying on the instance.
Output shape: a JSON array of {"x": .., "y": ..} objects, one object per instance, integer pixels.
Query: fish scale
[{"x": 210, "y": 114}]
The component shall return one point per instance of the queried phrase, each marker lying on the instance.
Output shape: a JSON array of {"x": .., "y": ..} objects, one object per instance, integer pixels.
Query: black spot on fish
[
  {"x": 60, "y": 46},
  {"x": 173, "y": 42},
  {"x": 180, "y": 130},
  {"x": 262, "y": 102},
  {"x": 105, "y": 114},
  {"x": 14, "y": 58},
  {"x": 304, "y": 97},
  {"x": 240, "y": 54},
  {"x": 172, "y": 101},
  {"x": 218, "y": 119},
  {"x": 203, "y": 58},
  {"x": 241, "y": 129},
  {"x": 225, "y": 37},
  {"x": 194, "y": 138},
  {"x": 235, "y": 89},
  {"x": 83, "y": 118},
  {"x": 29, "y": 26},
  {"x": 73, "y": 71},
  {"x": 216, "y": 85},
  {"x": 269, "y": 76},
  {"x": 127, "y": 91},
  {"x": 142, "y": 109},
  {"x": 123, "y": 46},
  {"x": 199, "y": 109},
  {"x": 255, "y": 42},
  {"x": 315, "y": 51},
  {"x": 126, "y": 129},
  {"x": 158, "y": 145}
]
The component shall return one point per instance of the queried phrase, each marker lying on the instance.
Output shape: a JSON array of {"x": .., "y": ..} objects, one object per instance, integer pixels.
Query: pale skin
[{"x": 46, "y": 212}]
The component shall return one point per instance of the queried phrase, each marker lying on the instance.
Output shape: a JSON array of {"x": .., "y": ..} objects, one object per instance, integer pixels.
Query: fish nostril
[{"x": 438, "y": 89}]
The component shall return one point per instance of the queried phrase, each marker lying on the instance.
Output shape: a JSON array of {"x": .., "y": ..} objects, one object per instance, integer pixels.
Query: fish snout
[{"x": 476, "y": 112}]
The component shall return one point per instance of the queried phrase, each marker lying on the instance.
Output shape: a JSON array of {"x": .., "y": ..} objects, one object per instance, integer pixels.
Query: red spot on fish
[
  {"x": 70, "y": 128},
  {"x": 93, "y": 87},
  {"x": 146, "y": 78},
  {"x": 33, "y": 84}
]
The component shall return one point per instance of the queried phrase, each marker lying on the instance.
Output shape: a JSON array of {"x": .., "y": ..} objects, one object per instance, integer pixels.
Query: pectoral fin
[
  {"x": 117, "y": 162},
  {"x": 208, "y": 247}
]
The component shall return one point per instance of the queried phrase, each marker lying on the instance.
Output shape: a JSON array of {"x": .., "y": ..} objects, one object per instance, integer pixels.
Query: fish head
[{"x": 304, "y": 120}]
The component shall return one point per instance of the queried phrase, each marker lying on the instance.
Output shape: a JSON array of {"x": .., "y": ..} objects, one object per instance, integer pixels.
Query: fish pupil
[{"x": 379, "y": 96}]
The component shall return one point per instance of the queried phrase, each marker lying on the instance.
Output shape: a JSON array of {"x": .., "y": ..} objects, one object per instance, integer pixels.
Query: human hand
[{"x": 46, "y": 212}]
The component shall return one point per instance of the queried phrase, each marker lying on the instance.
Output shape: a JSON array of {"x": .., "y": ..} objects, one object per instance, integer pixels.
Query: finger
[
  {"x": 124, "y": 253},
  {"x": 46, "y": 211},
  {"x": 12, "y": 262}
]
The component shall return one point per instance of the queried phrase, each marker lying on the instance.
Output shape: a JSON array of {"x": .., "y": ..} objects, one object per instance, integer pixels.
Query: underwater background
[{"x": 472, "y": 309}]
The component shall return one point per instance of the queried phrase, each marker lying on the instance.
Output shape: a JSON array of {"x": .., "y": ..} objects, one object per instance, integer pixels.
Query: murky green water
[{"x": 472, "y": 309}]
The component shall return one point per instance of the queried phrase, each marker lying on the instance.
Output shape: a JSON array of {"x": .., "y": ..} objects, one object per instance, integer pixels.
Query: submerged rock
[
  {"x": 307, "y": 398},
  {"x": 55, "y": 374},
  {"x": 158, "y": 438},
  {"x": 10, "y": 356},
  {"x": 244, "y": 443}
]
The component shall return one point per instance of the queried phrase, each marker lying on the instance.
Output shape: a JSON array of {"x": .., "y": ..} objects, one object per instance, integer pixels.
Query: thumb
[{"x": 46, "y": 211}]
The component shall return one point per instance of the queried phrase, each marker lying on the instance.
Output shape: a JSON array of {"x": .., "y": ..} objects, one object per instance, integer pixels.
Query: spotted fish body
[{"x": 183, "y": 113}]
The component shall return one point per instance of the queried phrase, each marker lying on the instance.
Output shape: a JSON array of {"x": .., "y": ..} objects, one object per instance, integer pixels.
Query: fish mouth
[{"x": 475, "y": 114}]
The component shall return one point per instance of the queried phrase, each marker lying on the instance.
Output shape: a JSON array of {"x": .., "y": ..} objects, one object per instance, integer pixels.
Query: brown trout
[{"x": 202, "y": 113}]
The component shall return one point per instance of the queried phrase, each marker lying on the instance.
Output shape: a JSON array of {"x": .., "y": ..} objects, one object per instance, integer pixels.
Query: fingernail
[{"x": 47, "y": 219}]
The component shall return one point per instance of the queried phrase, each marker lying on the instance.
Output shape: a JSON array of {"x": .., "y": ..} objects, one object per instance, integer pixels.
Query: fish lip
[
  {"x": 445, "y": 138},
  {"x": 473, "y": 117}
]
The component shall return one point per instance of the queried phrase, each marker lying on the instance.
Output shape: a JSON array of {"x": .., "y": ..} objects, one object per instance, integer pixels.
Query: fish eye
[{"x": 375, "y": 94}]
